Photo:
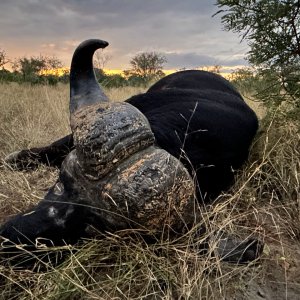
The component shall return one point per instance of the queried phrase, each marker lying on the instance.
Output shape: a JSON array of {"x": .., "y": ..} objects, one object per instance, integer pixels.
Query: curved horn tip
[
  {"x": 97, "y": 42},
  {"x": 84, "y": 87}
]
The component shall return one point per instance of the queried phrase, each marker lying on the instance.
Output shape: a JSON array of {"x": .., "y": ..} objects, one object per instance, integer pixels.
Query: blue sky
[{"x": 184, "y": 31}]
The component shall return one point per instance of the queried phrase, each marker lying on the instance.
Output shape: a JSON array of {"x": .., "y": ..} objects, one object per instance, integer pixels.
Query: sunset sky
[{"x": 184, "y": 31}]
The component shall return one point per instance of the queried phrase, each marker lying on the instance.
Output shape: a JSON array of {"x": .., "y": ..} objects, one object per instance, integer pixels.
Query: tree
[
  {"x": 3, "y": 58},
  {"x": 31, "y": 68},
  {"x": 215, "y": 69},
  {"x": 271, "y": 27},
  {"x": 51, "y": 63},
  {"x": 147, "y": 65},
  {"x": 101, "y": 59}
]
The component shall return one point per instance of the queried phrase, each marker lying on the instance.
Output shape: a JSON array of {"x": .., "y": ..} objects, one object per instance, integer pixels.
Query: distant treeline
[
  {"x": 271, "y": 85},
  {"x": 146, "y": 67},
  {"x": 106, "y": 80}
]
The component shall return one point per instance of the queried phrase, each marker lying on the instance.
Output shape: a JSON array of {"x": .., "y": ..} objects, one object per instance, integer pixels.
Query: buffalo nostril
[
  {"x": 58, "y": 189},
  {"x": 52, "y": 212}
]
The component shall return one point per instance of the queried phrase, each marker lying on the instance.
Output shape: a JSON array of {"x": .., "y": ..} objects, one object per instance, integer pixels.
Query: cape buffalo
[{"x": 137, "y": 163}]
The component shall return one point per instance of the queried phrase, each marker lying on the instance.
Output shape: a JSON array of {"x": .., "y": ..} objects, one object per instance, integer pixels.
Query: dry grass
[{"x": 264, "y": 203}]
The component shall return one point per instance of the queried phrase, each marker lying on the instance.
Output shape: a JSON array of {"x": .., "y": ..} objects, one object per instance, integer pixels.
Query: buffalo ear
[{"x": 84, "y": 88}]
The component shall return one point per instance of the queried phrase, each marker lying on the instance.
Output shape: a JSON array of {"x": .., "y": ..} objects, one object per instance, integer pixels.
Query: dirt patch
[
  {"x": 278, "y": 274},
  {"x": 277, "y": 278}
]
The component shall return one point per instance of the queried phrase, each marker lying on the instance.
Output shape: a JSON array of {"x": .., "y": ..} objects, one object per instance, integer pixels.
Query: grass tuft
[{"x": 264, "y": 203}]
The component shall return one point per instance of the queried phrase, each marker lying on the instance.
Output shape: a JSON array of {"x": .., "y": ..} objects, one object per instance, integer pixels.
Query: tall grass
[{"x": 264, "y": 203}]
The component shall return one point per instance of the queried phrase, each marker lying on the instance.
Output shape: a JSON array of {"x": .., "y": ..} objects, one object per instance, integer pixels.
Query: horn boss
[{"x": 135, "y": 183}]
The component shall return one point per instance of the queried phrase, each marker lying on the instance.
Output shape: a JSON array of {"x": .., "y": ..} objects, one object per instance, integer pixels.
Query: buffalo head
[{"x": 115, "y": 178}]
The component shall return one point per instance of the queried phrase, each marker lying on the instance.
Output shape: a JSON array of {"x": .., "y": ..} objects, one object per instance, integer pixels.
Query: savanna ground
[{"x": 264, "y": 203}]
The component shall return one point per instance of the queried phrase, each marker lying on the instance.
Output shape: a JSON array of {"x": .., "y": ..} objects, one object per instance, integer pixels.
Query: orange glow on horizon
[
  {"x": 63, "y": 71},
  {"x": 56, "y": 72}
]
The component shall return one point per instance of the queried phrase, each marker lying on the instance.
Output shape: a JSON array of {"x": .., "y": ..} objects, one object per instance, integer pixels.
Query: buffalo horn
[{"x": 84, "y": 88}]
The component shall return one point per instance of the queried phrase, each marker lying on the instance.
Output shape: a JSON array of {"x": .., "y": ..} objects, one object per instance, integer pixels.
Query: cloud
[
  {"x": 51, "y": 45},
  {"x": 195, "y": 60},
  {"x": 188, "y": 60},
  {"x": 184, "y": 28}
]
